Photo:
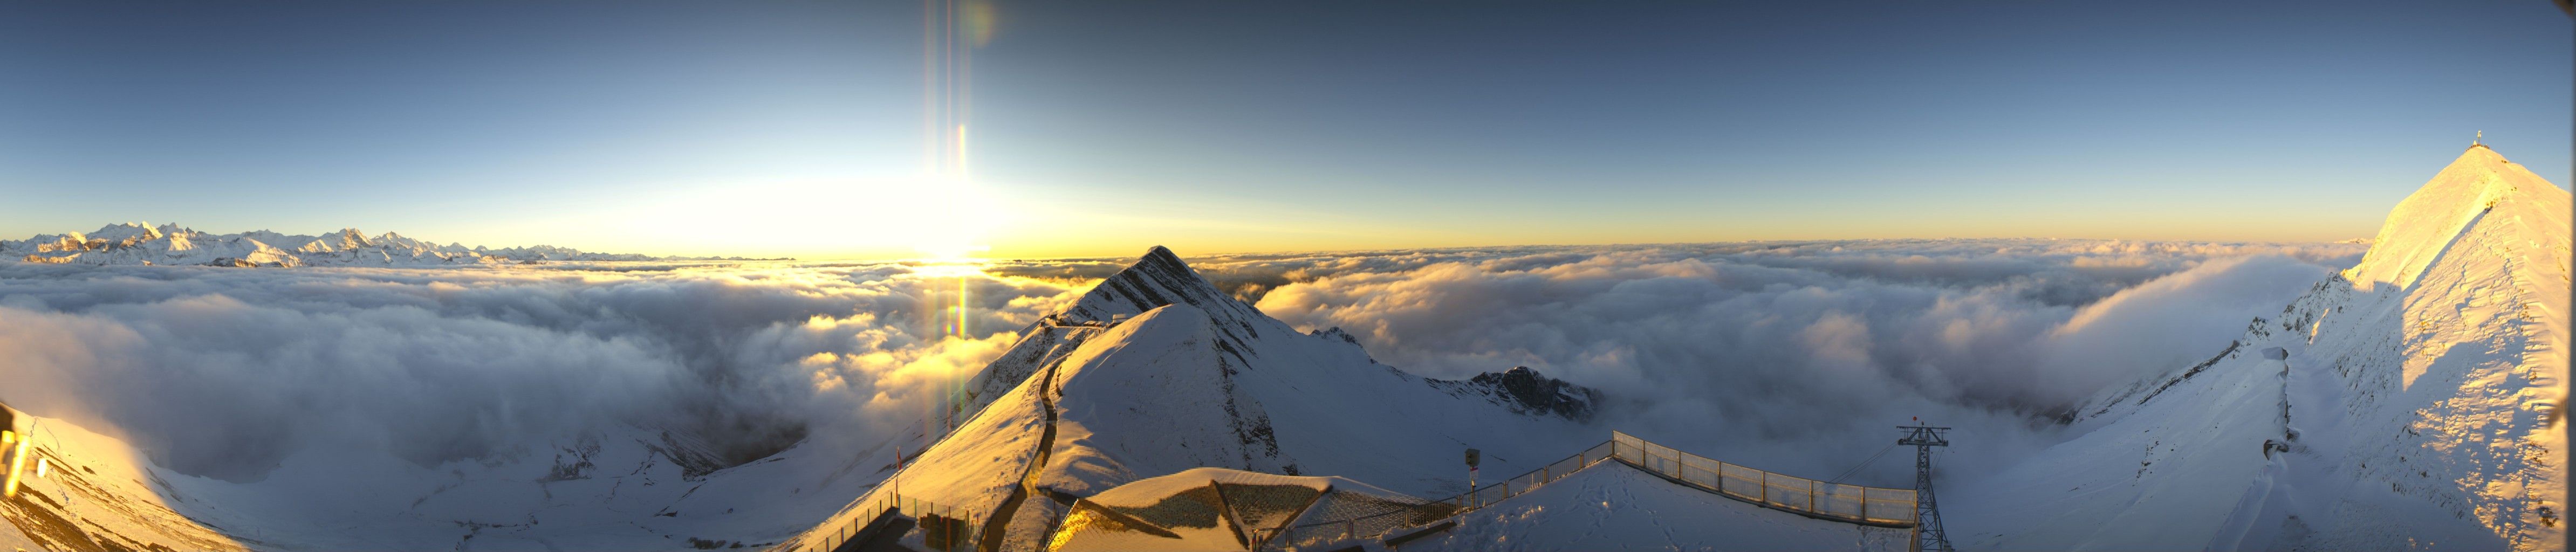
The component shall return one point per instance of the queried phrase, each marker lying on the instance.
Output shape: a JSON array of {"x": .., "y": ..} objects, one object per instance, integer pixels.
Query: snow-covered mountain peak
[
  {"x": 2411, "y": 402},
  {"x": 1160, "y": 278},
  {"x": 141, "y": 243},
  {"x": 2427, "y": 222},
  {"x": 127, "y": 230},
  {"x": 1155, "y": 371}
]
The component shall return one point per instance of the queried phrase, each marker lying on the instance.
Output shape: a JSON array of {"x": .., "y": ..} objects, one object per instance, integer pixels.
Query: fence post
[
  {"x": 1766, "y": 487},
  {"x": 1811, "y": 495}
]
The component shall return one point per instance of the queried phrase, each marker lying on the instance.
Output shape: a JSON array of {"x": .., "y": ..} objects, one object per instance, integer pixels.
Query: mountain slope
[
  {"x": 624, "y": 488},
  {"x": 1156, "y": 371},
  {"x": 2407, "y": 403}
]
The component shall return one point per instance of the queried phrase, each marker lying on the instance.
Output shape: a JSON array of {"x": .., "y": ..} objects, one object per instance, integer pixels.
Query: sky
[{"x": 1098, "y": 128}]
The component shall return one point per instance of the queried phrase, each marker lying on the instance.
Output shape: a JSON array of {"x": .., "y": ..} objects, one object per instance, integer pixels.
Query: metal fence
[
  {"x": 1515, "y": 485},
  {"x": 1878, "y": 506},
  {"x": 939, "y": 522},
  {"x": 1351, "y": 516},
  {"x": 1374, "y": 522},
  {"x": 1835, "y": 501}
]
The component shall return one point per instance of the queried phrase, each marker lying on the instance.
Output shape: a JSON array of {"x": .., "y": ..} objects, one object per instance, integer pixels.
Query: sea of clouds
[
  {"x": 223, "y": 372},
  {"x": 1797, "y": 355},
  {"x": 1804, "y": 356}
]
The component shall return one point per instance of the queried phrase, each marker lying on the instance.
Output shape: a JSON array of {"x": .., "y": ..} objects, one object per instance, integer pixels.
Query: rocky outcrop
[{"x": 1525, "y": 391}]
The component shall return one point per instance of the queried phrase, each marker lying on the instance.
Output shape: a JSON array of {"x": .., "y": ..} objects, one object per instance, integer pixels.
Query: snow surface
[
  {"x": 141, "y": 243},
  {"x": 95, "y": 496},
  {"x": 2416, "y": 407},
  {"x": 626, "y": 491}
]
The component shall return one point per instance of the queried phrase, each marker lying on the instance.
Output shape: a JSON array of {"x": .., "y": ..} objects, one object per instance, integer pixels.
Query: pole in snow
[{"x": 1473, "y": 456}]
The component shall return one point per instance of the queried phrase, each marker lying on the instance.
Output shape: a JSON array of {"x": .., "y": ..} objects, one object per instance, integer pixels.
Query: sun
[{"x": 959, "y": 250}]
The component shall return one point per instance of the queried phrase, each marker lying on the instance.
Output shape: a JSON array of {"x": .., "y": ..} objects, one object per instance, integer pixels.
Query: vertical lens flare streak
[{"x": 951, "y": 29}]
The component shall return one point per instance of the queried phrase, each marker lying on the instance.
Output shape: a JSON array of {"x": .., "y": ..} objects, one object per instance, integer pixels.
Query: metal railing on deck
[
  {"x": 957, "y": 536},
  {"x": 1877, "y": 506},
  {"x": 1515, "y": 485},
  {"x": 1389, "y": 517},
  {"x": 1834, "y": 501}
]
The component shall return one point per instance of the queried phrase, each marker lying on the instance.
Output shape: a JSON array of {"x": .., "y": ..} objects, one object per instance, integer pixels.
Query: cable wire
[{"x": 1882, "y": 451}]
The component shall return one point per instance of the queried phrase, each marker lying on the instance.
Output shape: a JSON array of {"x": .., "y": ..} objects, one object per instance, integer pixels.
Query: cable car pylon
[{"x": 1927, "y": 514}]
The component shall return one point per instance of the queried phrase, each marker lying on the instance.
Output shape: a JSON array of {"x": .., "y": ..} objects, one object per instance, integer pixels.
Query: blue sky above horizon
[{"x": 795, "y": 128}]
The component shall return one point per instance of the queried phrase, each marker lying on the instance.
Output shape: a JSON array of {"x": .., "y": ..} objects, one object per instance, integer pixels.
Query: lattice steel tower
[{"x": 1927, "y": 514}]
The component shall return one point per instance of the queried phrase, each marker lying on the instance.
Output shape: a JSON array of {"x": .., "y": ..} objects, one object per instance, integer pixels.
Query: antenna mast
[{"x": 1927, "y": 514}]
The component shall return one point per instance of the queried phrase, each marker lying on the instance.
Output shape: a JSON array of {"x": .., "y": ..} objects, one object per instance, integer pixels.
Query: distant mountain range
[{"x": 141, "y": 243}]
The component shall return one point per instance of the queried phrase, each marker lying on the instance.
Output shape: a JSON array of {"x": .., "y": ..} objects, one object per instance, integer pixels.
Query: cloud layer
[
  {"x": 1806, "y": 354},
  {"x": 1784, "y": 354},
  {"x": 224, "y": 372}
]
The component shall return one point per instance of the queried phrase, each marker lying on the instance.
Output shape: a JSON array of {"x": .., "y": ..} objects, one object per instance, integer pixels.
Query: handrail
[
  {"x": 1873, "y": 506},
  {"x": 898, "y": 503},
  {"x": 1479, "y": 498},
  {"x": 1878, "y": 506}
]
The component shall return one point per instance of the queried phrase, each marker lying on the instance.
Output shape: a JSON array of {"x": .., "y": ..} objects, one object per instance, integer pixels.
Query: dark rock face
[{"x": 1525, "y": 391}]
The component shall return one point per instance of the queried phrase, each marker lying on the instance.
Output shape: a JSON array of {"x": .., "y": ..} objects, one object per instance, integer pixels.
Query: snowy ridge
[
  {"x": 141, "y": 243},
  {"x": 2428, "y": 222},
  {"x": 97, "y": 502},
  {"x": 2447, "y": 355},
  {"x": 1156, "y": 371},
  {"x": 1156, "y": 279},
  {"x": 2409, "y": 402}
]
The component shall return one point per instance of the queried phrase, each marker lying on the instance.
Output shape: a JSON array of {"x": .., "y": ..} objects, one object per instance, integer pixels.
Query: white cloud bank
[
  {"x": 1794, "y": 355},
  {"x": 225, "y": 372},
  {"x": 1803, "y": 356}
]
